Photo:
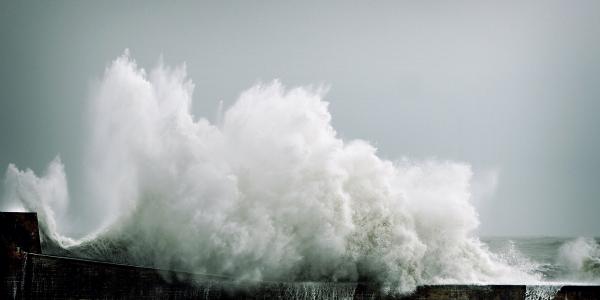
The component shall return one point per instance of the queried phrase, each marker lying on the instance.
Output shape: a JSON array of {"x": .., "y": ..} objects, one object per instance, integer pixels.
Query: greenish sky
[{"x": 512, "y": 87}]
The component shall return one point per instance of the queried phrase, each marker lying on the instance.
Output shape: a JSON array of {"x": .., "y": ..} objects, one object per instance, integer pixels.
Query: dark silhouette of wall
[{"x": 28, "y": 274}]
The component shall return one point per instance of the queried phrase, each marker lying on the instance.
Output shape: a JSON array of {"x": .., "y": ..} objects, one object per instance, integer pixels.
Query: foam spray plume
[{"x": 269, "y": 193}]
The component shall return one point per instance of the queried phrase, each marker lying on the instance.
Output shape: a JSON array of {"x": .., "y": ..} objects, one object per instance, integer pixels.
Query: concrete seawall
[
  {"x": 48, "y": 277},
  {"x": 26, "y": 274}
]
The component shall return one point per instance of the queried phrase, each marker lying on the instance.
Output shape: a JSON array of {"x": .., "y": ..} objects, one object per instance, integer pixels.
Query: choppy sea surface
[{"x": 554, "y": 259}]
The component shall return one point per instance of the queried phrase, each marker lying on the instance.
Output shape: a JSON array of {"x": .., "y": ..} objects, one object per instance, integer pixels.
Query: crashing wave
[{"x": 269, "y": 193}]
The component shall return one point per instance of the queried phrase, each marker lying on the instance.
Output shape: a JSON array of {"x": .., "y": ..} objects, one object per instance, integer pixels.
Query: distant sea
[{"x": 560, "y": 260}]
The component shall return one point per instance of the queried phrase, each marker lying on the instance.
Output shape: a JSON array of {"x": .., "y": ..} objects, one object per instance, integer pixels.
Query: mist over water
[{"x": 267, "y": 192}]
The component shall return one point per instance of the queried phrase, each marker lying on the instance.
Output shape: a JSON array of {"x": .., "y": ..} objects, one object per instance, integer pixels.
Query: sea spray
[
  {"x": 581, "y": 257},
  {"x": 271, "y": 193},
  {"x": 541, "y": 292}
]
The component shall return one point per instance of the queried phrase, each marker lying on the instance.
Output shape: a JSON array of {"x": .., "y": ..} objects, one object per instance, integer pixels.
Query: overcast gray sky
[{"x": 511, "y": 87}]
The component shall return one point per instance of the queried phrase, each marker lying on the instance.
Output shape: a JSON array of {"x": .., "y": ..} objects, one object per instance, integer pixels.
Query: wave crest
[{"x": 581, "y": 257}]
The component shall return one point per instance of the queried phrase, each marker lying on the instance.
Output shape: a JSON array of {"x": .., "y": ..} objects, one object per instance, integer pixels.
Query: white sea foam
[
  {"x": 269, "y": 193},
  {"x": 541, "y": 292},
  {"x": 581, "y": 257}
]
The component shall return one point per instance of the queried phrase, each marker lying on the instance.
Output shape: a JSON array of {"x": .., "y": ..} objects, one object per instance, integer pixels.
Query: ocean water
[
  {"x": 560, "y": 260},
  {"x": 269, "y": 191}
]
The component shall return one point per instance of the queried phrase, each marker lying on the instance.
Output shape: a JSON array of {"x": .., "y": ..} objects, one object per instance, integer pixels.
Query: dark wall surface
[
  {"x": 19, "y": 235},
  {"x": 49, "y": 277},
  {"x": 27, "y": 274}
]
